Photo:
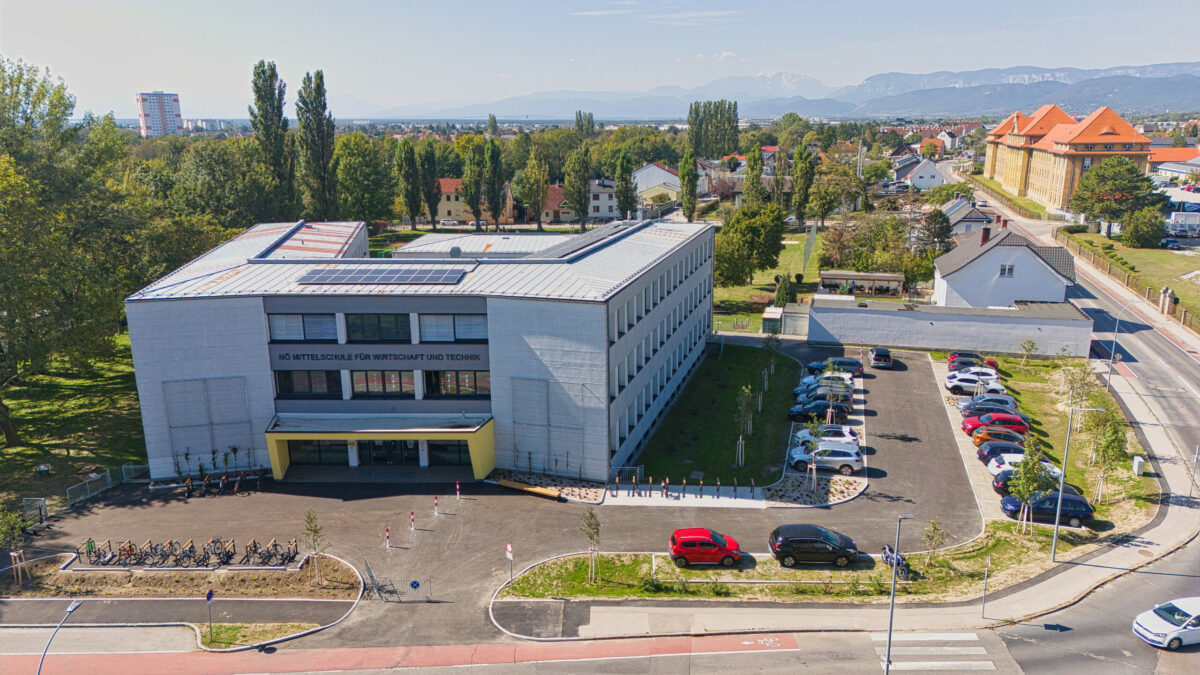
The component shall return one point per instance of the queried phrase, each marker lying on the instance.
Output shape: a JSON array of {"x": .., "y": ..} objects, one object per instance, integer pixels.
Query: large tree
[
  {"x": 408, "y": 180},
  {"x": 1113, "y": 188},
  {"x": 752, "y": 187},
  {"x": 577, "y": 184},
  {"x": 224, "y": 180},
  {"x": 1143, "y": 228},
  {"x": 834, "y": 187},
  {"x": 431, "y": 187},
  {"x": 760, "y": 228},
  {"x": 626, "y": 193},
  {"x": 318, "y": 176},
  {"x": 688, "y": 177},
  {"x": 270, "y": 131},
  {"x": 936, "y": 232},
  {"x": 364, "y": 192},
  {"x": 533, "y": 186},
  {"x": 493, "y": 182},
  {"x": 474, "y": 176}
]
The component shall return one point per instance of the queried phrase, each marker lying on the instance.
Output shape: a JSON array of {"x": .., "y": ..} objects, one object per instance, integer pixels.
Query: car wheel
[
  {"x": 681, "y": 561},
  {"x": 1074, "y": 522},
  {"x": 727, "y": 561},
  {"x": 956, "y": 390},
  {"x": 788, "y": 561},
  {"x": 1175, "y": 643},
  {"x": 846, "y": 470},
  {"x": 801, "y": 466},
  {"x": 841, "y": 561}
]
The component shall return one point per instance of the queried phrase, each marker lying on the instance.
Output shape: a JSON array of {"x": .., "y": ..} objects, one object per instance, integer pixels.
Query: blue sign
[
  {"x": 209, "y": 597},
  {"x": 415, "y": 584}
]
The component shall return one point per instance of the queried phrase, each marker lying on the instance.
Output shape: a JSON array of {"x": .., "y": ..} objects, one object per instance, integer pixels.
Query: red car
[
  {"x": 996, "y": 419},
  {"x": 700, "y": 545},
  {"x": 972, "y": 355}
]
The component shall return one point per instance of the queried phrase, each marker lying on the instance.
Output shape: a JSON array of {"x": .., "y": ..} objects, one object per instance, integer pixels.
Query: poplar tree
[
  {"x": 431, "y": 188},
  {"x": 687, "y": 183},
  {"x": 752, "y": 189},
  {"x": 270, "y": 132},
  {"x": 803, "y": 171},
  {"x": 534, "y": 185},
  {"x": 408, "y": 180},
  {"x": 474, "y": 168},
  {"x": 626, "y": 193},
  {"x": 317, "y": 173},
  {"x": 493, "y": 183},
  {"x": 577, "y": 191}
]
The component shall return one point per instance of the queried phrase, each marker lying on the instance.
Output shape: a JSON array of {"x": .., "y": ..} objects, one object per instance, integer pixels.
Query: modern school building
[{"x": 289, "y": 347}]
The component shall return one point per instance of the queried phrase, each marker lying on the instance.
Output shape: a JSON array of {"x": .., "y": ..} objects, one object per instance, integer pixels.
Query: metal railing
[
  {"x": 98, "y": 483},
  {"x": 135, "y": 473}
]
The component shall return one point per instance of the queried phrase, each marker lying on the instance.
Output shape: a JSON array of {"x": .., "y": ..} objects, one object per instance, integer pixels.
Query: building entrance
[{"x": 388, "y": 452}]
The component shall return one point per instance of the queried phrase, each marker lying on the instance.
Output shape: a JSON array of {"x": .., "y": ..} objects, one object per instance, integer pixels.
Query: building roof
[
  {"x": 1043, "y": 120},
  {"x": 554, "y": 197},
  {"x": 960, "y": 209},
  {"x": 342, "y": 423},
  {"x": 861, "y": 276},
  {"x": 933, "y": 141},
  {"x": 969, "y": 248},
  {"x": 1105, "y": 126},
  {"x": 903, "y": 172},
  {"x": 1049, "y": 128},
  {"x": 664, "y": 167},
  {"x": 440, "y": 244},
  {"x": 1159, "y": 155},
  {"x": 450, "y": 186},
  {"x": 587, "y": 267},
  {"x": 1041, "y": 310}
]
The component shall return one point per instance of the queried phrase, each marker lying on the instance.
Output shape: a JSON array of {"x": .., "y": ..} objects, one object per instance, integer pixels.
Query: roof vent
[{"x": 455, "y": 252}]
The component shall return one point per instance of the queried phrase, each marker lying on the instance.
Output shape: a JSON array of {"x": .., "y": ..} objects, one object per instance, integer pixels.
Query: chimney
[
  {"x": 1003, "y": 223},
  {"x": 984, "y": 234}
]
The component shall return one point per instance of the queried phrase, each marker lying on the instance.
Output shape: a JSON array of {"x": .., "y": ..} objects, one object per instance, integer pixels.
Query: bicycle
[
  {"x": 270, "y": 553},
  {"x": 250, "y": 553},
  {"x": 87, "y": 549},
  {"x": 293, "y": 550},
  {"x": 186, "y": 554}
]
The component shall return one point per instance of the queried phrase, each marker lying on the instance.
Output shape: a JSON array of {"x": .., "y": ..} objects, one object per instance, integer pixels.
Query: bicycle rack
[{"x": 250, "y": 553}]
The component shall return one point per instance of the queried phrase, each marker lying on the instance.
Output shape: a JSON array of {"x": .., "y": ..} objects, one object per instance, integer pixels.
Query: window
[
  {"x": 595, "y": 196},
  {"x": 308, "y": 384},
  {"x": 1127, "y": 146},
  {"x": 595, "y": 209},
  {"x": 470, "y": 328},
  {"x": 449, "y": 453},
  {"x": 1089, "y": 146},
  {"x": 302, "y": 327},
  {"x": 454, "y": 328},
  {"x": 437, "y": 328},
  {"x": 378, "y": 328},
  {"x": 458, "y": 383},
  {"x": 1087, "y": 162},
  {"x": 382, "y": 383},
  {"x": 610, "y": 208},
  {"x": 1108, "y": 146}
]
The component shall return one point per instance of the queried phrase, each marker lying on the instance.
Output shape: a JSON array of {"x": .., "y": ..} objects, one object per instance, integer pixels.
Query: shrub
[
  {"x": 719, "y": 589},
  {"x": 651, "y": 585},
  {"x": 1075, "y": 229}
]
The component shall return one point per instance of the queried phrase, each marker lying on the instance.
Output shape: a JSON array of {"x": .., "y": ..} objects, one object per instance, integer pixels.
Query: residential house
[
  {"x": 938, "y": 146},
  {"x": 603, "y": 201},
  {"x": 708, "y": 173},
  {"x": 654, "y": 178},
  {"x": 948, "y": 138},
  {"x": 964, "y": 217},
  {"x": 921, "y": 175},
  {"x": 900, "y": 151},
  {"x": 986, "y": 271},
  {"x": 452, "y": 206},
  {"x": 555, "y": 209},
  {"x": 1164, "y": 155}
]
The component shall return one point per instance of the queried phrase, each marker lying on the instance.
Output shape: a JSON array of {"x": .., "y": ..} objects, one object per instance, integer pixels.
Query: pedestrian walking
[
  {"x": 663, "y": 492},
  {"x": 221, "y": 489},
  {"x": 187, "y": 487},
  {"x": 204, "y": 487},
  {"x": 668, "y": 487}
]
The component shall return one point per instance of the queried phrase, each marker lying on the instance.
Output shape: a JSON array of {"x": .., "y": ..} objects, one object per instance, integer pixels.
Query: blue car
[{"x": 1076, "y": 511}]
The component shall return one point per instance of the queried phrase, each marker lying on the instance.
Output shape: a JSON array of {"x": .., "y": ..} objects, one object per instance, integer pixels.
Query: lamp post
[
  {"x": 70, "y": 610},
  {"x": 887, "y": 667},
  {"x": 1112, "y": 349},
  {"x": 1062, "y": 476}
]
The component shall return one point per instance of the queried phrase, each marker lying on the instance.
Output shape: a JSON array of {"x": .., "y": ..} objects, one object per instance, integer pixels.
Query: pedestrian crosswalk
[{"x": 935, "y": 652}]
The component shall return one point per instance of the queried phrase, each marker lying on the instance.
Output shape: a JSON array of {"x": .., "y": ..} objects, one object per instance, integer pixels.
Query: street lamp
[
  {"x": 1062, "y": 476},
  {"x": 1112, "y": 349},
  {"x": 887, "y": 667},
  {"x": 70, "y": 610}
]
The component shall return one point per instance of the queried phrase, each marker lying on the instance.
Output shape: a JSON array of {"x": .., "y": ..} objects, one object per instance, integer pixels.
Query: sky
[{"x": 382, "y": 54}]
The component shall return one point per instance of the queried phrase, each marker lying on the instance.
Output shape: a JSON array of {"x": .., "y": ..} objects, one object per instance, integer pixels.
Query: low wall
[{"x": 1052, "y": 326}]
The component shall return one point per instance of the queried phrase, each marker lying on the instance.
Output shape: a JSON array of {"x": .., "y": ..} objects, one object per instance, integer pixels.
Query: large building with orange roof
[{"x": 1042, "y": 156}]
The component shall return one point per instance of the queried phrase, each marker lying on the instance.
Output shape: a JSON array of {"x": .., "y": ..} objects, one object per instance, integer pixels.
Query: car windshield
[
  {"x": 1171, "y": 614},
  {"x": 718, "y": 539},
  {"x": 987, "y": 418},
  {"x": 827, "y": 535}
]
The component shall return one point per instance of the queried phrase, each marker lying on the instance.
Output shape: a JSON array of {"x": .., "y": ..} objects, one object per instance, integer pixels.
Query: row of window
[
  {"x": 378, "y": 328},
  {"x": 654, "y": 388},
  {"x": 327, "y": 384},
  {"x": 622, "y": 319},
  {"x": 624, "y": 373}
]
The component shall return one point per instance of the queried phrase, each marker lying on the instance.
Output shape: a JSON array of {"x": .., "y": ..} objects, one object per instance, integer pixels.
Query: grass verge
[
  {"x": 1022, "y": 202},
  {"x": 1156, "y": 267},
  {"x": 733, "y": 303},
  {"x": 226, "y": 635},
  {"x": 699, "y": 433}
]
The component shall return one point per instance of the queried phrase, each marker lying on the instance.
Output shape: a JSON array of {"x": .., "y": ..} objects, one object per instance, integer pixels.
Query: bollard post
[
  {"x": 387, "y": 538},
  {"x": 435, "y": 511},
  {"x": 412, "y": 520},
  {"x": 718, "y": 488},
  {"x": 700, "y": 494},
  {"x": 457, "y": 494}
]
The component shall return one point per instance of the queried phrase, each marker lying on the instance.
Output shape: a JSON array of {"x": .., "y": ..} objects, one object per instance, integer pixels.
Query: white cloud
[
  {"x": 602, "y": 12},
  {"x": 504, "y": 76},
  {"x": 716, "y": 56},
  {"x": 693, "y": 19}
]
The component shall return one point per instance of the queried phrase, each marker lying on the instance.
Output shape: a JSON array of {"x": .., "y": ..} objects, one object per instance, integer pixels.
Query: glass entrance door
[{"x": 388, "y": 452}]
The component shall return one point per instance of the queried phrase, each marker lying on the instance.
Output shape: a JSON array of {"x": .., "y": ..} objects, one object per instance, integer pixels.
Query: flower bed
[{"x": 795, "y": 490}]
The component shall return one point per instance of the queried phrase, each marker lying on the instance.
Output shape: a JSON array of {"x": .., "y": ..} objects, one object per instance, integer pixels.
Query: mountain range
[{"x": 1154, "y": 88}]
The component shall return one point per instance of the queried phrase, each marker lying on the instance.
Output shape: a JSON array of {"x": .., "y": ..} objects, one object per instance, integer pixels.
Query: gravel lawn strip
[
  {"x": 339, "y": 582},
  {"x": 229, "y": 635},
  {"x": 793, "y": 490}
]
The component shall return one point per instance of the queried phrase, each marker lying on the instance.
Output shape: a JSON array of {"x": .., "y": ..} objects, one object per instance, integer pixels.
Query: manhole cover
[{"x": 1145, "y": 552}]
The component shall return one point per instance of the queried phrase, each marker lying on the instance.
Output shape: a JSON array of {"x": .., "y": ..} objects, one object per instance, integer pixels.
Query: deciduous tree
[
  {"x": 473, "y": 181},
  {"x": 577, "y": 191},
  {"x": 408, "y": 180},
  {"x": 270, "y": 131},
  {"x": 364, "y": 192},
  {"x": 688, "y": 178},
  {"x": 936, "y": 231},
  {"x": 534, "y": 185},
  {"x": 752, "y": 188},
  {"x": 1143, "y": 228},
  {"x": 1113, "y": 188},
  {"x": 318, "y": 176},
  {"x": 493, "y": 182},
  {"x": 626, "y": 193}
]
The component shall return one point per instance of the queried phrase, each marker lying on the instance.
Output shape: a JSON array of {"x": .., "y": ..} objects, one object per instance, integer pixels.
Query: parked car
[
  {"x": 881, "y": 357},
  {"x": 845, "y": 458},
  {"x": 976, "y": 409},
  {"x": 826, "y": 394},
  {"x": 1001, "y": 482},
  {"x": 1171, "y": 625},
  {"x": 975, "y": 356},
  {"x": 829, "y": 432},
  {"x": 1174, "y": 246},
  {"x": 818, "y": 410},
  {"x": 838, "y": 385},
  {"x": 1007, "y": 420},
  {"x": 984, "y": 434},
  {"x": 447, "y": 221},
  {"x": 982, "y": 372},
  {"x": 991, "y": 449},
  {"x": 835, "y": 376},
  {"x": 1076, "y": 510},
  {"x": 843, "y": 364},
  {"x": 959, "y": 384},
  {"x": 792, "y": 544},
  {"x": 1010, "y": 460},
  {"x": 997, "y": 399},
  {"x": 701, "y": 545}
]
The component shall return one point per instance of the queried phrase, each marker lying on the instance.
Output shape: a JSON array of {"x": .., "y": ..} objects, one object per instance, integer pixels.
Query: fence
[
  {"x": 135, "y": 473},
  {"x": 1012, "y": 205},
  {"x": 88, "y": 488},
  {"x": 1188, "y": 318},
  {"x": 627, "y": 474},
  {"x": 33, "y": 510}
]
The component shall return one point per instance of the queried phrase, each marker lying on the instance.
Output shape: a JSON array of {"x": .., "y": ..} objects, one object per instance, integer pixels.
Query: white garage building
[{"x": 529, "y": 352}]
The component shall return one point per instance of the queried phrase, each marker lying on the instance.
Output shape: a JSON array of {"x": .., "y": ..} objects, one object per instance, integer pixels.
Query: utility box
[{"x": 1139, "y": 464}]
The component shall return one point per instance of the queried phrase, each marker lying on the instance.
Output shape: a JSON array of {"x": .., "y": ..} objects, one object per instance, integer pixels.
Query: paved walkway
[{"x": 710, "y": 496}]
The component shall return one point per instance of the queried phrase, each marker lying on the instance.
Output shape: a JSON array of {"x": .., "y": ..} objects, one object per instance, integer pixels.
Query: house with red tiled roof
[
  {"x": 1160, "y": 155},
  {"x": 1042, "y": 156}
]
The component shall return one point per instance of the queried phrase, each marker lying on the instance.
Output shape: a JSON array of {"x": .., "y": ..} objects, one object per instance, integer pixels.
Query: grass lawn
[
  {"x": 733, "y": 303},
  {"x": 699, "y": 433},
  {"x": 1023, "y": 202},
  {"x": 1157, "y": 267},
  {"x": 70, "y": 419},
  {"x": 226, "y": 635}
]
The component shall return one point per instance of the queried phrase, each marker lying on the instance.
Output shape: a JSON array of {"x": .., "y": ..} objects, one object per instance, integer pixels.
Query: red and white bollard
[
  {"x": 412, "y": 520},
  {"x": 435, "y": 505},
  {"x": 457, "y": 494},
  {"x": 387, "y": 537}
]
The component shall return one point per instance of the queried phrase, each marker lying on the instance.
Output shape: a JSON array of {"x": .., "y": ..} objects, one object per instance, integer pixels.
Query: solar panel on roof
[{"x": 449, "y": 276}]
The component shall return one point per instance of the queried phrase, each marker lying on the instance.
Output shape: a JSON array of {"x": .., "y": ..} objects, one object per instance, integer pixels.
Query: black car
[
  {"x": 817, "y": 410},
  {"x": 792, "y": 544},
  {"x": 833, "y": 394},
  {"x": 1076, "y": 510},
  {"x": 990, "y": 449},
  {"x": 1001, "y": 481},
  {"x": 823, "y": 385},
  {"x": 881, "y": 357},
  {"x": 963, "y": 362},
  {"x": 843, "y": 364}
]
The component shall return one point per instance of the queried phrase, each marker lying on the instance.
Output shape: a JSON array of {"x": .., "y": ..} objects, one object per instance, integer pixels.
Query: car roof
[
  {"x": 1189, "y": 605},
  {"x": 838, "y": 445},
  {"x": 881, "y": 350},
  {"x": 1005, "y": 416},
  {"x": 691, "y": 533},
  {"x": 800, "y": 530},
  {"x": 1000, "y": 444}
]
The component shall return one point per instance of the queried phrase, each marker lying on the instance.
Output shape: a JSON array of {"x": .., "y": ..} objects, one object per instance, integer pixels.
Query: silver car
[
  {"x": 1003, "y": 400},
  {"x": 845, "y": 458}
]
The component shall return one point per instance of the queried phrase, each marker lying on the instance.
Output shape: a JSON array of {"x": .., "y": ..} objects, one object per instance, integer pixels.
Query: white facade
[
  {"x": 999, "y": 277},
  {"x": 603, "y": 201},
  {"x": 159, "y": 114},
  {"x": 925, "y": 176},
  {"x": 651, "y": 175}
]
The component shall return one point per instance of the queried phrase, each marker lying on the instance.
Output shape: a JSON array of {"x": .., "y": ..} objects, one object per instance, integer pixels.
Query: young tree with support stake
[
  {"x": 1030, "y": 478},
  {"x": 314, "y": 540},
  {"x": 591, "y": 529}
]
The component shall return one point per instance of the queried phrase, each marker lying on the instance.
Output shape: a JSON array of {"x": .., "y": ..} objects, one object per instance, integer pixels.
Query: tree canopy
[{"x": 1113, "y": 188}]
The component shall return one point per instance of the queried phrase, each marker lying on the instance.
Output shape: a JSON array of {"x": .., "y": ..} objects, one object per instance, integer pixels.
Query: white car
[
  {"x": 837, "y": 375},
  {"x": 447, "y": 221},
  {"x": 1010, "y": 460},
  {"x": 830, "y": 432},
  {"x": 1171, "y": 624},
  {"x": 968, "y": 384},
  {"x": 982, "y": 372},
  {"x": 844, "y": 458}
]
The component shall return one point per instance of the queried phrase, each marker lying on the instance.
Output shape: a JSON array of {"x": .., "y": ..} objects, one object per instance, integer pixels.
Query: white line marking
[
  {"x": 1189, "y": 387},
  {"x": 940, "y": 665},
  {"x": 914, "y": 637},
  {"x": 932, "y": 651}
]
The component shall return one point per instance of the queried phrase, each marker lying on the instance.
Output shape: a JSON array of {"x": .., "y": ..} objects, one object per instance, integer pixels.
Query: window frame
[
  {"x": 333, "y": 385},
  {"x": 439, "y": 378},
  {"x": 383, "y": 391},
  {"x": 399, "y": 318},
  {"x": 303, "y": 328}
]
